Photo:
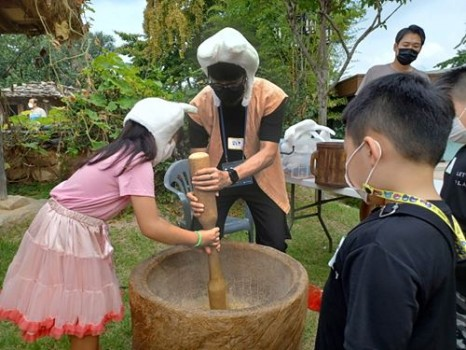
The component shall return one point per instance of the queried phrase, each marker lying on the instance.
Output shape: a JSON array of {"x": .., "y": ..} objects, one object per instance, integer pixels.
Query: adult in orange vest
[{"x": 239, "y": 124}]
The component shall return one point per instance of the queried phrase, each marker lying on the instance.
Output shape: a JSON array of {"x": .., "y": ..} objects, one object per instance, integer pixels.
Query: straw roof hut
[
  {"x": 59, "y": 18},
  {"x": 47, "y": 93},
  {"x": 62, "y": 19}
]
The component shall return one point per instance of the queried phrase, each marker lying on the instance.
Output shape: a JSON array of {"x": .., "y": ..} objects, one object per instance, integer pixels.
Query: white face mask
[
  {"x": 30, "y": 105},
  {"x": 360, "y": 190},
  {"x": 458, "y": 131},
  {"x": 167, "y": 152}
]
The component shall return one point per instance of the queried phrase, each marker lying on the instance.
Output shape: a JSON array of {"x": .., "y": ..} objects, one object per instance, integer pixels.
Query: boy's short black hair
[
  {"x": 453, "y": 83},
  {"x": 411, "y": 29},
  {"x": 406, "y": 109},
  {"x": 223, "y": 71}
]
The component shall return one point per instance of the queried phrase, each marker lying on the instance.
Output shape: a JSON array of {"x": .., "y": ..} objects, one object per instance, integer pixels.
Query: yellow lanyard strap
[{"x": 399, "y": 197}]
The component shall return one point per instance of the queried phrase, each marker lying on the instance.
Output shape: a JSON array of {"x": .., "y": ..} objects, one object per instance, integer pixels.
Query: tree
[
  {"x": 262, "y": 23},
  {"x": 172, "y": 24},
  {"x": 459, "y": 59},
  {"x": 90, "y": 118},
  {"x": 38, "y": 58},
  {"x": 332, "y": 24},
  {"x": 305, "y": 46},
  {"x": 173, "y": 28},
  {"x": 3, "y": 180},
  {"x": 65, "y": 19}
]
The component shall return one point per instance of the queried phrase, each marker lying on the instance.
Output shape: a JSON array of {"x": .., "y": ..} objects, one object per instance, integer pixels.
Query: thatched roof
[
  {"x": 37, "y": 90},
  {"x": 60, "y": 18}
]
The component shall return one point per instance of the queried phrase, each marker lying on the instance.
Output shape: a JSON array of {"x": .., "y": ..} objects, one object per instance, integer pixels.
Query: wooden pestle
[{"x": 208, "y": 220}]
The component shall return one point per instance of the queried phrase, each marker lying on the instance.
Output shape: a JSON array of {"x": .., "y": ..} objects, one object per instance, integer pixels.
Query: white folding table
[{"x": 338, "y": 193}]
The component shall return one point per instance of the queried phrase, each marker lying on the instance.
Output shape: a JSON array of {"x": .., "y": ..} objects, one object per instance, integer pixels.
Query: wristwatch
[{"x": 233, "y": 175}]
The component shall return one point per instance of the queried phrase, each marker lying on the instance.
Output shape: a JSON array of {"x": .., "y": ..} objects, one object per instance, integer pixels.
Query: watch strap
[{"x": 233, "y": 175}]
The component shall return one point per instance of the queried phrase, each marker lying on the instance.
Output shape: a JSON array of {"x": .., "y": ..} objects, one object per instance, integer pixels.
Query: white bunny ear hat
[
  {"x": 230, "y": 46},
  {"x": 162, "y": 119}
]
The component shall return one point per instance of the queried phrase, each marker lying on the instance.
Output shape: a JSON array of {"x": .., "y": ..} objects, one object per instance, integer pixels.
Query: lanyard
[
  {"x": 399, "y": 197},
  {"x": 224, "y": 136}
]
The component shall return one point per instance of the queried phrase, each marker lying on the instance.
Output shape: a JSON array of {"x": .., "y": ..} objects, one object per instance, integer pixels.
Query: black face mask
[
  {"x": 230, "y": 96},
  {"x": 229, "y": 93},
  {"x": 406, "y": 56}
]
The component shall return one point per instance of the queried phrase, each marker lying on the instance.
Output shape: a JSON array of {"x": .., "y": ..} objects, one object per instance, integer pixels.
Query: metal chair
[{"x": 177, "y": 179}]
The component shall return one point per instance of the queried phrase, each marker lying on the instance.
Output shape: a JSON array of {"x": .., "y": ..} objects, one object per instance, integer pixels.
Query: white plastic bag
[{"x": 299, "y": 142}]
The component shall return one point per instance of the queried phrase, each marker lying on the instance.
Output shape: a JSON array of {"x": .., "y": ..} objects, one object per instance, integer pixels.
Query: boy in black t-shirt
[
  {"x": 392, "y": 281},
  {"x": 454, "y": 183}
]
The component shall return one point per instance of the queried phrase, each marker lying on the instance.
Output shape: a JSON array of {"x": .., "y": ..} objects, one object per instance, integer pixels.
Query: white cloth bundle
[
  {"x": 302, "y": 136},
  {"x": 300, "y": 141}
]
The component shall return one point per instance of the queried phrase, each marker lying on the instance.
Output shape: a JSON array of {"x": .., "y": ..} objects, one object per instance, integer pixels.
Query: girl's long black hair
[{"x": 133, "y": 140}]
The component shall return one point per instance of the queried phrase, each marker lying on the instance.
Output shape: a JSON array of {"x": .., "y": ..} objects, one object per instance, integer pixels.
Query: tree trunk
[
  {"x": 3, "y": 190},
  {"x": 322, "y": 70}
]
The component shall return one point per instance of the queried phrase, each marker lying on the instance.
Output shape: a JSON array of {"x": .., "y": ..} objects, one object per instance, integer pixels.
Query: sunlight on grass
[{"x": 309, "y": 246}]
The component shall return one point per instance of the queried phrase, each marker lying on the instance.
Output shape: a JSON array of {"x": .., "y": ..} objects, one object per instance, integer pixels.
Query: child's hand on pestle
[
  {"x": 197, "y": 207},
  {"x": 209, "y": 239}
]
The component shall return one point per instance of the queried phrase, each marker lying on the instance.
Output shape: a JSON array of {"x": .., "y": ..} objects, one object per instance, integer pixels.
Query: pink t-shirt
[{"x": 99, "y": 193}]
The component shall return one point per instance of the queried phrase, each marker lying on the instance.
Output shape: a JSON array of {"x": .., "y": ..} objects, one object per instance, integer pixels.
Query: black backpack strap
[
  {"x": 434, "y": 220},
  {"x": 421, "y": 213}
]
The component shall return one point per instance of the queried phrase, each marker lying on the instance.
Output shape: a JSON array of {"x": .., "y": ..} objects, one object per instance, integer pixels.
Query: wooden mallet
[{"x": 208, "y": 220}]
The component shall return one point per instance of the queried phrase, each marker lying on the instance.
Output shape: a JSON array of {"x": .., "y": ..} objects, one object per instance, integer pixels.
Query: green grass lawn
[{"x": 309, "y": 246}]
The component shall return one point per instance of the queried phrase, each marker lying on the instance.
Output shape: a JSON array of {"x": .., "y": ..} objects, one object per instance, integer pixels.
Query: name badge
[
  {"x": 334, "y": 257},
  {"x": 450, "y": 166},
  {"x": 235, "y": 143}
]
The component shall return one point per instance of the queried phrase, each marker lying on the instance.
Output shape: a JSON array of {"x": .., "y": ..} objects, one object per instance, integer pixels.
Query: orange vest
[{"x": 266, "y": 97}]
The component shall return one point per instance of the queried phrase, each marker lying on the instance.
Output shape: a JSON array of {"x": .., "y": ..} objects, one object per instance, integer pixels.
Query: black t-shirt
[
  {"x": 454, "y": 186},
  {"x": 392, "y": 286},
  {"x": 233, "y": 121},
  {"x": 454, "y": 194}
]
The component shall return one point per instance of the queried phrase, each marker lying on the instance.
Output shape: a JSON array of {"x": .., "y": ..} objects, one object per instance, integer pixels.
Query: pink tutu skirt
[{"x": 62, "y": 279}]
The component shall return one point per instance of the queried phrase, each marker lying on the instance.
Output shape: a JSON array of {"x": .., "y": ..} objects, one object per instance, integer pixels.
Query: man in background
[{"x": 407, "y": 46}]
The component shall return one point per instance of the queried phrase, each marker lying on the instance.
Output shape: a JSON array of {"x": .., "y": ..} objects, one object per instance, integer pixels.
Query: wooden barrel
[{"x": 328, "y": 164}]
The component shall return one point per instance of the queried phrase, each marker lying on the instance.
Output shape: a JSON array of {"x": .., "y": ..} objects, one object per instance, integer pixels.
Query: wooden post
[{"x": 3, "y": 181}]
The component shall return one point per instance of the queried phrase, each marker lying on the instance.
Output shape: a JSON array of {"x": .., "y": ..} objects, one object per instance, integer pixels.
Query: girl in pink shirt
[{"x": 62, "y": 279}]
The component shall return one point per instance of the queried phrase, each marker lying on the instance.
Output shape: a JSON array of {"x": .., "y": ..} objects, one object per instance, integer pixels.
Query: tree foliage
[
  {"x": 171, "y": 24},
  {"x": 42, "y": 58},
  {"x": 91, "y": 118},
  {"x": 458, "y": 60},
  {"x": 305, "y": 46},
  {"x": 330, "y": 49},
  {"x": 38, "y": 58},
  {"x": 257, "y": 20}
]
